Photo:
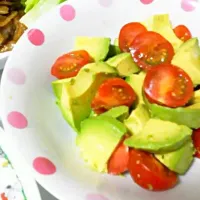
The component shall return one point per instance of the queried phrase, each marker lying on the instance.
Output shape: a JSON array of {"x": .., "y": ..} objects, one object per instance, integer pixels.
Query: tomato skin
[
  {"x": 196, "y": 142},
  {"x": 149, "y": 173},
  {"x": 118, "y": 162},
  {"x": 168, "y": 85},
  {"x": 182, "y": 32},
  {"x": 112, "y": 93},
  {"x": 68, "y": 65},
  {"x": 151, "y": 49},
  {"x": 128, "y": 33}
]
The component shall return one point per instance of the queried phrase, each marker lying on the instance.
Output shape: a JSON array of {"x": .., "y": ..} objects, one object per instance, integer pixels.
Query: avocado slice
[
  {"x": 137, "y": 119},
  {"x": 188, "y": 116},
  {"x": 160, "y": 136},
  {"x": 98, "y": 138},
  {"x": 120, "y": 113},
  {"x": 161, "y": 24},
  {"x": 188, "y": 58},
  {"x": 124, "y": 64},
  {"x": 136, "y": 82},
  {"x": 114, "y": 49},
  {"x": 57, "y": 86},
  {"x": 180, "y": 160},
  {"x": 196, "y": 98},
  {"x": 75, "y": 101},
  {"x": 98, "y": 48}
]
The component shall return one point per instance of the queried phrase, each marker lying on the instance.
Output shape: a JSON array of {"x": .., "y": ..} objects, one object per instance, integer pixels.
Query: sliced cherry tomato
[
  {"x": 168, "y": 85},
  {"x": 111, "y": 93},
  {"x": 183, "y": 33},
  {"x": 118, "y": 162},
  {"x": 128, "y": 33},
  {"x": 3, "y": 197},
  {"x": 150, "y": 49},
  {"x": 196, "y": 141},
  {"x": 149, "y": 173},
  {"x": 70, "y": 64}
]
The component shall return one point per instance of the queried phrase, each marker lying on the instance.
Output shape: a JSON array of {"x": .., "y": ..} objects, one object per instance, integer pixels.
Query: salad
[
  {"x": 134, "y": 103},
  {"x": 16, "y": 16}
]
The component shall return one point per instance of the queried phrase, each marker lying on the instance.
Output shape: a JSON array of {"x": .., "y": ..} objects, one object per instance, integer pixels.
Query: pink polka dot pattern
[
  {"x": 16, "y": 76},
  {"x": 146, "y": 1},
  {"x": 189, "y": 5},
  {"x": 67, "y": 12},
  {"x": 44, "y": 166},
  {"x": 17, "y": 120},
  {"x": 36, "y": 37},
  {"x": 95, "y": 197},
  {"x": 105, "y": 3}
]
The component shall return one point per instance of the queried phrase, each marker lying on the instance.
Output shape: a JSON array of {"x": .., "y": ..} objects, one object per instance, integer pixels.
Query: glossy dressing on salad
[{"x": 134, "y": 103}]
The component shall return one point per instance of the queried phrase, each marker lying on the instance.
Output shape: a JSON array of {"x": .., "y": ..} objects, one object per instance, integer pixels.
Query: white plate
[
  {"x": 32, "y": 118},
  {"x": 21, "y": 170}
]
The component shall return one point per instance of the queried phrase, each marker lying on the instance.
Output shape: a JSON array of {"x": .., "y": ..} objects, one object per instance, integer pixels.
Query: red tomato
[
  {"x": 70, "y": 64},
  {"x": 183, "y": 33},
  {"x": 3, "y": 197},
  {"x": 112, "y": 93},
  {"x": 196, "y": 141},
  {"x": 118, "y": 162},
  {"x": 150, "y": 49},
  {"x": 128, "y": 33},
  {"x": 168, "y": 85},
  {"x": 149, "y": 173}
]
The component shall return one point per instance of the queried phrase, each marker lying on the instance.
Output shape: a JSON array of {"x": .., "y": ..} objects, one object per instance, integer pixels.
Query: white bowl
[
  {"x": 20, "y": 167},
  {"x": 39, "y": 130}
]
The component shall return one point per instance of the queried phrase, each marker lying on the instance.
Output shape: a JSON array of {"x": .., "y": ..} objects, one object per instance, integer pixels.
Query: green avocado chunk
[
  {"x": 57, "y": 86},
  {"x": 161, "y": 24},
  {"x": 136, "y": 82},
  {"x": 77, "y": 94},
  {"x": 188, "y": 58},
  {"x": 120, "y": 112},
  {"x": 124, "y": 64},
  {"x": 98, "y": 48},
  {"x": 180, "y": 160},
  {"x": 160, "y": 136},
  {"x": 98, "y": 138},
  {"x": 137, "y": 119},
  {"x": 188, "y": 116}
]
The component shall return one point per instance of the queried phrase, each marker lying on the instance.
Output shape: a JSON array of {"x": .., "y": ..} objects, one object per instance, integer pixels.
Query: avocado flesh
[
  {"x": 180, "y": 160},
  {"x": 136, "y": 82},
  {"x": 124, "y": 64},
  {"x": 188, "y": 116},
  {"x": 98, "y": 138},
  {"x": 75, "y": 102},
  {"x": 161, "y": 24},
  {"x": 120, "y": 112},
  {"x": 160, "y": 136},
  {"x": 188, "y": 59},
  {"x": 57, "y": 86},
  {"x": 97, "y": 48},
  {"x": 137, "y": 119},
  {"x": 113, "y": 51}
]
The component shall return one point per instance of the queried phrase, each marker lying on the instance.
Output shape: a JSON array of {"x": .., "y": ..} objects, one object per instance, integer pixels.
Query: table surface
[{"x": 44, "y": 194}]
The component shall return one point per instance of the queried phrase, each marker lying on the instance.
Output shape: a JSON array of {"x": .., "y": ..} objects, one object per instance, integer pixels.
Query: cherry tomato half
[
  {"x": 183, "y": 33},
  {"x": 70, "y": 64},
  {"x": 196, "y": 141},
  {"x": 150, "y": 49},
  {"x": 149, "y": 173},
  {"x": 168, "y": 85},
  {"x": 128, "y": 33},
  {"x": 118, "y": 162},
  {"x": 112, "y": 93}
]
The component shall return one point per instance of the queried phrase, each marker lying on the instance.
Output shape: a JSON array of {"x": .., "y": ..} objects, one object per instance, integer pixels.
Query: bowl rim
[{"x": 20, "y": 167}]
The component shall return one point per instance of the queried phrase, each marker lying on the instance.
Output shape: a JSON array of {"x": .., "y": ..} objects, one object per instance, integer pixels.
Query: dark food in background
[{"x": 10, "y": 27}]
